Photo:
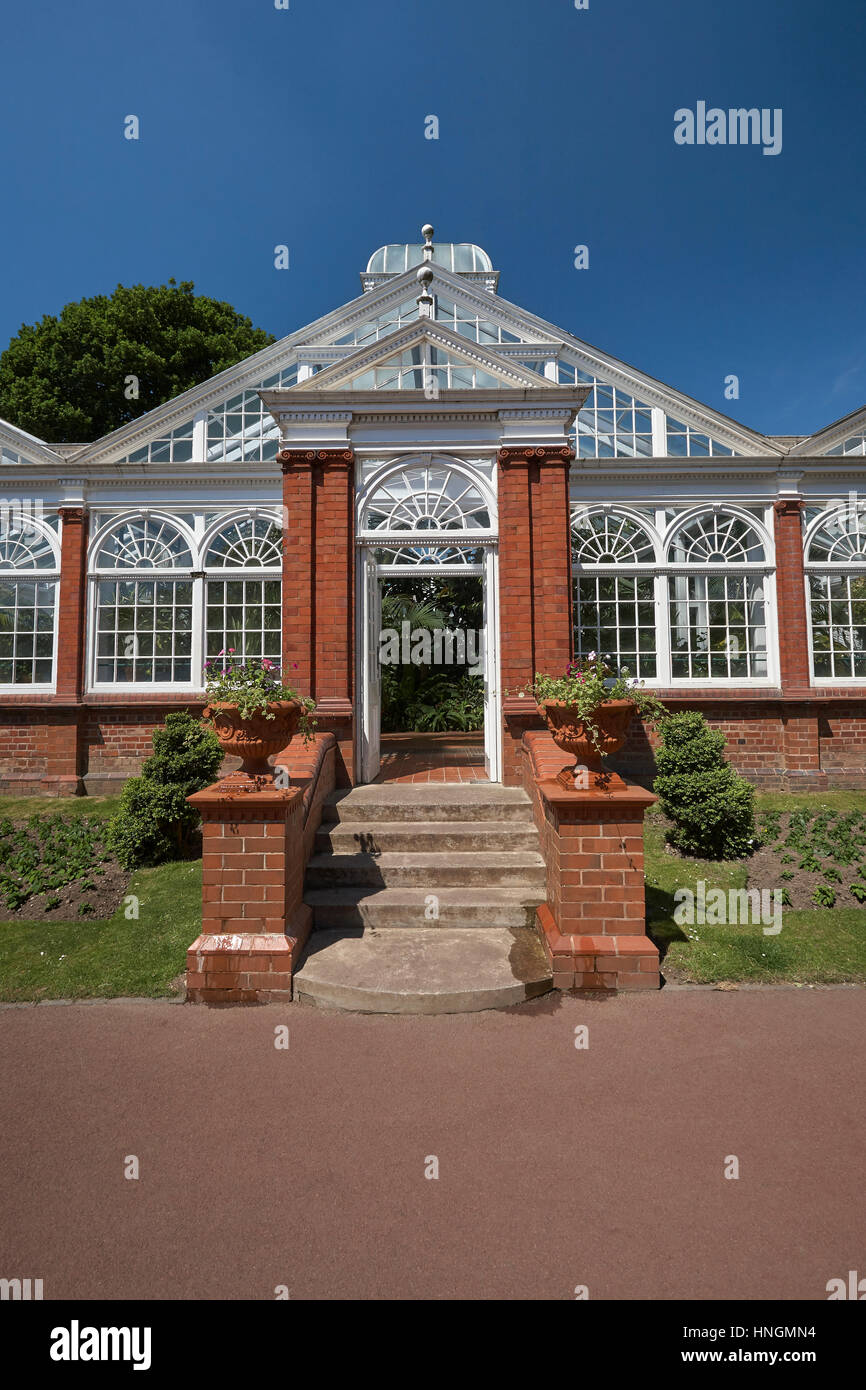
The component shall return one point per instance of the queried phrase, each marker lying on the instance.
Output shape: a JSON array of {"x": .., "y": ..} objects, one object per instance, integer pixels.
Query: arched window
[
  {"x": 170, "y": 592},
  {"x": 614, "y": 594},
  {"x": 690, "y": 608},
  {"x": 430, "y": 496},
  {"x": 717, "y": 598},
  {"x": 836, "y": 578},
  {"x": 29, "y": 575},
  {"x": 143, "y": 611},
  {"x": 243, "y": 561}
]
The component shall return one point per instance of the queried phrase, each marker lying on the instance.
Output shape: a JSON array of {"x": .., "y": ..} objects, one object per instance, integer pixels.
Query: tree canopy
[{"x": 74, "y": 377}]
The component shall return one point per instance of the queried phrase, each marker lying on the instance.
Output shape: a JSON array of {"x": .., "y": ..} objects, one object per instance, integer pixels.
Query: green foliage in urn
[
  {"x": 590, "y": 682},
  {"x": 252, "y": 685},
  {"x": 712, "y": 806},
  {"x": 155, "y": 822}
]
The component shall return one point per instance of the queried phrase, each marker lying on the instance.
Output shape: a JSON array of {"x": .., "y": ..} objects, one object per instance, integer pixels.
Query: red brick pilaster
[
  {"x": 298, "y": 570},
  {"x": 318, "y": 583},
  {"x": 71, "y": 605},
  {"x": 794, "y": 671},
  {"x": 534, "y": 580}
]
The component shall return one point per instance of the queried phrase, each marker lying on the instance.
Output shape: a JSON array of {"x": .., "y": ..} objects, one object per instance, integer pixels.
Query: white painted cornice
[
  {"x": 28, "y": 446},
  {"x": 817, "y": 444}
]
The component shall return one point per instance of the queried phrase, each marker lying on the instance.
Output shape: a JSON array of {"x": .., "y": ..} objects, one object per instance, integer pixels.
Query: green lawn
[
  {"x": 817, "y": 945},
  {"x": 21, "y": 807},
  {"x": 89, "y": 959}
]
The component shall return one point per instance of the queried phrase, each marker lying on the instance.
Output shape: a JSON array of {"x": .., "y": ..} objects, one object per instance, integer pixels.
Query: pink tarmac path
[{"x": 558, "y": 1167}]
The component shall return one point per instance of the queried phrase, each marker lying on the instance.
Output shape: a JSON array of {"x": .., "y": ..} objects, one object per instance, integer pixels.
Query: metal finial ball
[
  {"x": 427, "y": 232},
  {"x": 425, "y": 274}
]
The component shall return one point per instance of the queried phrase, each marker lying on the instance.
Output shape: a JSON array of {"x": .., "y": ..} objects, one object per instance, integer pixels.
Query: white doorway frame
[{"x": 368, "y": 580}]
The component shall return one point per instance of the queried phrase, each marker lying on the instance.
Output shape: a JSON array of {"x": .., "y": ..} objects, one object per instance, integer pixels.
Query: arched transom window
[
  {"x": 673, "y": 598},
  {"x": 836, "y": 579},
  {"x": 143, "y": 607},
  {"x": 169, "y": 592},
  {"x": 29, "y": 575},
  {"x": 427, "y": 497},
  {"x": 447, "y": 510}
]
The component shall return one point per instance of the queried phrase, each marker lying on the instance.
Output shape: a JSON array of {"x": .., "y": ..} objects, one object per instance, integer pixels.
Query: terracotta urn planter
[
  {"x": 570, "y": 733},
  {"x": 255, "y": 739}
]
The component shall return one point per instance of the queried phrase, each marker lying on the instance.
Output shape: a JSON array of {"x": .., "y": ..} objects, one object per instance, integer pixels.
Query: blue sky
[{"x": 306, "y": 127}]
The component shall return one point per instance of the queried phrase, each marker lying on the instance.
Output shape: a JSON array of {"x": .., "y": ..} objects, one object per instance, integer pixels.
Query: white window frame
[
  {"x": 846, "y": 568},
  {"x": 238, "y": 573},
  {"x": 53, "y": 575},
  {"x": 199, "y": 537},
  {"x": 661, "y": 533}
]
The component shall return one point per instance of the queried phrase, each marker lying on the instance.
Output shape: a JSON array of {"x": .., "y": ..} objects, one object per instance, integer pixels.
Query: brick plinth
[
  {"x": 254, "y": 924},
  {"x": 239, "y": 968},
  {"x": 593, "y": 925},
  {"x": 255, "y": 845},
  {"x": 598, "y": 962}
]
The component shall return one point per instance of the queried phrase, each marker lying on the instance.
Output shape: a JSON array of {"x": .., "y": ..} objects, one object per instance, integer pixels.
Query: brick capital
[
  {"x": 788, "y": 506},
  {"x": 296, "y": 460},
  {"x": 228, "y": 802},
  {"x": 628, "y": 802},
  {"x": 75, "y": 515},
  {"x": 536, "y": 453}
]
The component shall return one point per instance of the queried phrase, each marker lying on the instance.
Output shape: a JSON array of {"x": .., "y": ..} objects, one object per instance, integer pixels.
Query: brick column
[
  {"x": 64, "y": 765},
  {"x": 535, "y": 620},
  {"x": 791, "y": 596},
  {"x": 71, "y": 606},
  {"x": 801, "y": 749},
  {"x": 254, "y": 922},
  {"x": 318, "y": 583}
]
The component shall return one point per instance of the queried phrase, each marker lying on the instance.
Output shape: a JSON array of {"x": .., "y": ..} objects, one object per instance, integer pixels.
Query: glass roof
[{"x": 461, "y": 256}]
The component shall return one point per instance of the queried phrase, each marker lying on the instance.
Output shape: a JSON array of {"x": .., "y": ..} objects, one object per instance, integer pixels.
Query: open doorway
[
  {"x": 428, "y": 708},
  {"x": 432, "y": 677}
]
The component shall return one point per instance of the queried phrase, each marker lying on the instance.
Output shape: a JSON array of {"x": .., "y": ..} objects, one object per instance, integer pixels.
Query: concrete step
[
  {"x": 366, "y": 905},
  {"x": 514, "y": 869},
  {"x": 422, "y": 971},
  {"x": 464, "y": 801},
  {"x": 371, "y": 837}
]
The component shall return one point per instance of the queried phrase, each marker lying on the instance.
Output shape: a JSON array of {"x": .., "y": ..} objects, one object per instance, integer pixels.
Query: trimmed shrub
[
  {"x": 712, "y": 806},
  {"x": 155, "y": 822}
]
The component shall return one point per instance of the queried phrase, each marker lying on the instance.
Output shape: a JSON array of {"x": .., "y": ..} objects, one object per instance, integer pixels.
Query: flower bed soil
[
  {"x": 800, "y": 850},
  {"x": 96, "y": 882}
]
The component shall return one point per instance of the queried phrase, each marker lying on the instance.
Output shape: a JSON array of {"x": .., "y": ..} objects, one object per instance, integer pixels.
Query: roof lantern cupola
[{"x": 459, "y": 257}]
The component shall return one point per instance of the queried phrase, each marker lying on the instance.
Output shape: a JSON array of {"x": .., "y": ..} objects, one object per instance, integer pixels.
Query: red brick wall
[
  {"x": 39, "y": 750},
  {"x": 775, "y": 743}
]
